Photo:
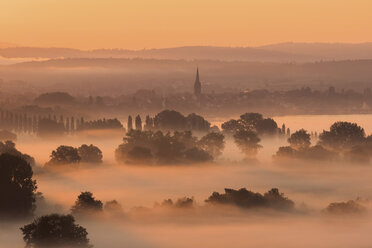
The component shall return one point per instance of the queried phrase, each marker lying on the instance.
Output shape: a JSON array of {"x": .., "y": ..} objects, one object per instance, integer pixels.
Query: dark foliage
[
  {"x": 184, "y": 202},
  {"x": 170, "y": 120},
  {"x": 17, "y": 188},
  {"x": 247, "y": 199},
  {"x": 101, "y": 124},
  {"x": 53, "y": 98},
  {"x": 251, "y": 122},
  {"x": 248, "y": 142},
  {"x": 342, "y": 136},
  {"x": 300, "y": 139},
  {"x": 55, "y": 231},
  {"x": 213, "y": 143},
  {"x": 64, "y": 155},
  {"x": 159, "y": 148},
  {"x": 10, "y": 148},
  {"x": 86, "y": 204},
  {"x": 90, "y": 154}
]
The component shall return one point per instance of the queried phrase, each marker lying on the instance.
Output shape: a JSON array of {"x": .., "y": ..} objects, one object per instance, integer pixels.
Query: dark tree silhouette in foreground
[
  {"x": 10, "y": 148},
  {"x": 17, "y": 188},
  {"x": 90, "y": 154},
  {"x": 86, "y": 204},
  {"x": 64, "y": 155},
  {"x": 55, "y": 231}
]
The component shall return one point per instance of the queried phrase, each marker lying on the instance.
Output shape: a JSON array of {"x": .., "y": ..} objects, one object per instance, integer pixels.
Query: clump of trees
[
  {"x": 64, "y": 155},
  {"x": 9, "y": 147},
  {"x": 342, "y": 208},
  {"x": 184, "y": 202},
  {"x": 343, "y": 140},
  {"x": 247, "y": 199},
  {"x": 101, "y": 124},
  {"x": 254, "y": 122},
  {"x": 171, "y": 120},
  {"x": 55, "y": 231},
  {"x": 86, "y": 204},
  {"x": 53, "y": 98},
  {"x": 150, "y": 147},
  {"x": 17, "y": 187}
]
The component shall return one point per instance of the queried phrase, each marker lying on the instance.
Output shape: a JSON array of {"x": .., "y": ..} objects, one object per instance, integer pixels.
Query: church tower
[{"x": 197, "y": 85}]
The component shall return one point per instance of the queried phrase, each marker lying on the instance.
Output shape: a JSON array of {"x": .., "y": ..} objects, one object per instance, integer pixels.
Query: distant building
[{"x": 197, "y": 85}]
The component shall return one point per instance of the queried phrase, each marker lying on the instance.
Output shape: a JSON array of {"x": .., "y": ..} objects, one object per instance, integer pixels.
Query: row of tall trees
[{"x": 25, "y": 123}]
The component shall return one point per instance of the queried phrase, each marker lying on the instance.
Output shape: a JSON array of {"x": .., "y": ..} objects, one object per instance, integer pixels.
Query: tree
[
  {"x": 342, "y": 136},
  {"x": 64, "y": 155},
  {"x": 10, "y": 148},
  {"x": 130, "y": 123},
  {"x": 138, "y": 122},
  {"x": 170, "y": 120},
  {"x": 55, "y": 231},
  {"x": 90, "y": 154},
  {"x": 17, "y": 188},
  {"x": 197, "y": 123},
  {"x": 213, "y": 143},
  {"x": 86, "y": 204},
  {"x": 248, "y": 142},
  {"x": 232, "y": 126},
  {"x": 267, "y": 126},
  {"x": 300, "y": 140}
]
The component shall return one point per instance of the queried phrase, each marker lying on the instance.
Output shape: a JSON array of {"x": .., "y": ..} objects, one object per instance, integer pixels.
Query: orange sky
[{"x": 138, "y": 24}]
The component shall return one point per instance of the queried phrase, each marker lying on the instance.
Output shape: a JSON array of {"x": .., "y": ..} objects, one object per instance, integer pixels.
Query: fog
[{"x": 312, "y": 186}]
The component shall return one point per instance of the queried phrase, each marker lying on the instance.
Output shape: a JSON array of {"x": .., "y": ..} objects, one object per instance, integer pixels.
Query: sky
[{"x": 145, "y": 24}]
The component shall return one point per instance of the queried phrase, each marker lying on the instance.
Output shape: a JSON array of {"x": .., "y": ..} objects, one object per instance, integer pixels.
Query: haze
[{"x": 164, "y": 23}]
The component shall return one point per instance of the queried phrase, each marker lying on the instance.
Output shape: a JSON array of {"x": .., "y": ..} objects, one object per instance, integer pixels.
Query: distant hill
[
  {"x": 325, "y": 51},
  {"x": 7, "y": 45},
  {"x": 283, "y": 52}
]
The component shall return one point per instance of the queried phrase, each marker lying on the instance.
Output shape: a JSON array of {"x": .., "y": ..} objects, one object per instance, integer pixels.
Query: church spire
[{"x": 197, "y": 85}]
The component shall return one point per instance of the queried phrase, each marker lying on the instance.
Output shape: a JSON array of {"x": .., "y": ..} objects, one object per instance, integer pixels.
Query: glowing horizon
[{"x": 146, "y": 24}]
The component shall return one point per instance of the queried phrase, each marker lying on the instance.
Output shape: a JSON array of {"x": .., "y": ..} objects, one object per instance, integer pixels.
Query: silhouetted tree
[
  {"x": 138, "y": 122},
  {"x": 10, "y": 148},
  {"x": 300, "y": 139},
  {"x": 55, "y": 231},
  {"x": 90, "y": 154},
  {"x": 248, "y": 142},
  {"x": 248, "y": 199},
  {"x": 170, "y": 120},
  {"x": 342, "y": 136},
  {"x": 213, "y": 143},
  {"x": 64, "y": 155},
  {"x": 130, "y": 123},
  {"x": 17, "y": 188},
  {"x": 86, "y": 204}
]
